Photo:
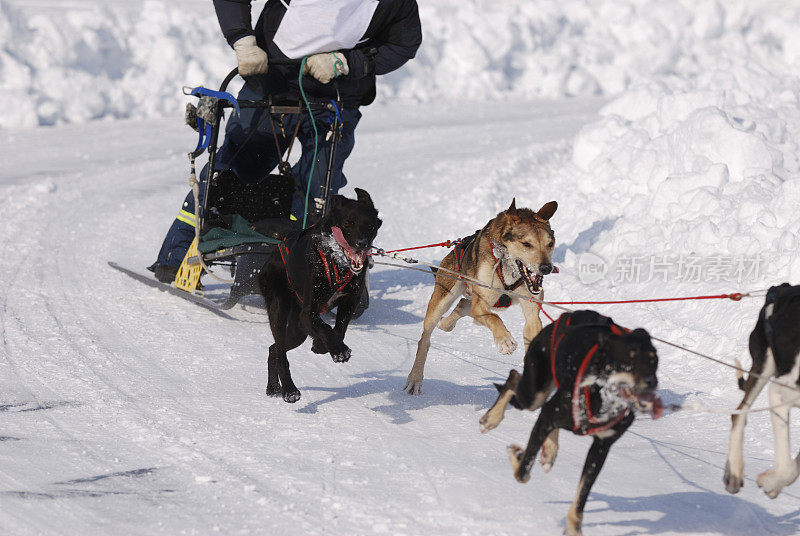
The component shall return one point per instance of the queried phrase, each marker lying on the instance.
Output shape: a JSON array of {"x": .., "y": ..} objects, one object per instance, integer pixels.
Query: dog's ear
[
  {"x": 499, "y": 387},
  {"x": 363, "y": 197},
  {"x": 512, "y": 209},
  {"x": 547, "y": 210},
  {"x": 335, "y": 201}
]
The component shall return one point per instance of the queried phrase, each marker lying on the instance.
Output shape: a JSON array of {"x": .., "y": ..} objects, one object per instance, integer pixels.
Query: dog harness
[
  {"x": 337, "y": 281},
  {"x": 504, "y": 301},
  {"x": 584, "y": 420}
]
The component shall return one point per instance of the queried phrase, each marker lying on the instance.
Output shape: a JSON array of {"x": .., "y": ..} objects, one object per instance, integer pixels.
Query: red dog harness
[
  {"x": 337, "y": 279},
  {"x": 585, "y": 422},
  {"x": 504, "y": 301}
]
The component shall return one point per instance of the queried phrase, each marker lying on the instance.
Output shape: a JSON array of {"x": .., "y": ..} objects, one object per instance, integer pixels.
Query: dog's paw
[
  {"x": 318, "y": 347},
  {"x": 489, "y": 421},
  {"x": 291, "y": 396},
  {"x": 733, "y": 483},
  {"x": 771, "y": 482},
  {"x": 515, "y": 454},
  {"x": 274, "y": 389},
  {"x": 548, "y": 454},
  {"x": 448, "y": 323},
  {"x": 506, "y": 344},
  {"x": 342, "y": 355},
  {"x": 413, "y": 385}
]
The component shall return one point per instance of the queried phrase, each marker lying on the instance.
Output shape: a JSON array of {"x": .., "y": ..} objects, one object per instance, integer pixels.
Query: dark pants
[{"x": 249, "y": 151}]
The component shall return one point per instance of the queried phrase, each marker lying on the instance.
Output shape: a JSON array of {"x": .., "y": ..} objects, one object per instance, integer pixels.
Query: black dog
[
  {"x": 775, "y": 350},
  {"x": 601, "y": 374},
  {"x": 315, "y": 270}
]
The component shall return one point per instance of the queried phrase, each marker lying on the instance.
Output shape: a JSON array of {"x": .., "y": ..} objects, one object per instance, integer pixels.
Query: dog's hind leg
[
  {"x": 786, "y": 470},
  {"x": 734, "y": 467},
  {"x": 549, "y": 451},
  {"x": 549, "y": 419},
  {"x": 440, "y": 302},
  {"x": 494, "y": 416},
  {"x": 279, "y": 312},
  {"x": 598, "y": 453},
  {"x": 273, "y": 383},
  {"x": 461, "y": 310}
]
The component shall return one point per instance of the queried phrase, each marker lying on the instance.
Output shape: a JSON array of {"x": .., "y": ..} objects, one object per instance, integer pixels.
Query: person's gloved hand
[
  {"x": 326, "y": 66},
  {"x": 252, "y": 60}
]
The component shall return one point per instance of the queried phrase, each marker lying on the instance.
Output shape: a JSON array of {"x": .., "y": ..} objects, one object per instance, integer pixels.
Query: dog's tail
[{"x": 739, "y": 373}]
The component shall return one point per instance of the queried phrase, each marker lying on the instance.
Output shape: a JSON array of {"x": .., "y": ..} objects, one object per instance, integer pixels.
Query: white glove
[
  {"x": 252, "y": 60},
  {"x": 325, "y": 67}
]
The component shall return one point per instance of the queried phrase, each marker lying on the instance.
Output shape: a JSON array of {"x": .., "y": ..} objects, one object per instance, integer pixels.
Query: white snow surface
[
  {"x": 126, "y": 410},
  {"x": 67, "y": 61}
]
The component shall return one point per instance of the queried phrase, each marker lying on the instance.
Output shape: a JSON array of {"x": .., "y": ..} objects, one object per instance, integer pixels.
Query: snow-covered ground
[{"x": 126, "y": 410}]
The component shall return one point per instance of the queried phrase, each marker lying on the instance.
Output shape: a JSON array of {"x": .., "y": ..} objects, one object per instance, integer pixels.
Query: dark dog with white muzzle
[
  {"x": 601, "y": 374},
  {"x": 313, "y": 271}
]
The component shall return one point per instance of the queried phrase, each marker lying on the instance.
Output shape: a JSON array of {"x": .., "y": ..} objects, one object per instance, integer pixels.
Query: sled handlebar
[{"x": 235, "y": 71}]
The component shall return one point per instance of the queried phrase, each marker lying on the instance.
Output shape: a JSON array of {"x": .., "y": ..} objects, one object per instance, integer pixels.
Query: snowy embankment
[{"x": 66, "y": 62}]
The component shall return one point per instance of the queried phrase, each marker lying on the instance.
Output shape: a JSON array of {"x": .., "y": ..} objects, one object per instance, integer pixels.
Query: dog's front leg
[
  {"x": 734, "y": 467},
  {"x": 482, "y": 314},
  {"x": 591, "y": 468},
  {"x": 320, "y": 331},
  {"x": 345, "y": 308}
]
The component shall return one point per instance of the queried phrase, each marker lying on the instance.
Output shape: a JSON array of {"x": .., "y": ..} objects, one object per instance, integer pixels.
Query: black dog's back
[
  {"x": 539, "y": 364},
  {"x": 777, "y": 329}
]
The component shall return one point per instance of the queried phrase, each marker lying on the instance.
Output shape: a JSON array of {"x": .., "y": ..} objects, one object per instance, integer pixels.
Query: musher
[{"x": 351, "y": 40}]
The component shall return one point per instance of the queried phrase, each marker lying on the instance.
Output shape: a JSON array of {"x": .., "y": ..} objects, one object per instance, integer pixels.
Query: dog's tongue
[
  {"x": 656, "y": 406},
  {"x": 350, "y": 252}
]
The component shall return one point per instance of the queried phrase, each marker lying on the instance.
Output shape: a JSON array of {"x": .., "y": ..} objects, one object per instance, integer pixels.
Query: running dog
[
  {"x": 313, "y": 271},
  {"x": 601, "y": 374},
  {"x": 775, "y": 350},
  {"x": 513, "y": 250}
]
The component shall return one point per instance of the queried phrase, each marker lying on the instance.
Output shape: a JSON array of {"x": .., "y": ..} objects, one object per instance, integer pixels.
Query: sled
[{"x": 241, "y": 224}]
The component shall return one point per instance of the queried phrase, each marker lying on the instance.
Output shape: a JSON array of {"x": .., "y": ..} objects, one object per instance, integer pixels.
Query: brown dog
[{"x": 513, "y": 251}]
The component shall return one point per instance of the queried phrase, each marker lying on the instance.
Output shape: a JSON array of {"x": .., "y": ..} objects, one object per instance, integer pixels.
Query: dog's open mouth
[
  {"x": 357, "y": 258},
  {"x": 645, "y": 402},
  {"x": 532, "y": 281}
]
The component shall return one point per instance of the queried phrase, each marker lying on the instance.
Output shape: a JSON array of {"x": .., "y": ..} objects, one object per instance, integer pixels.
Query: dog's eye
[
  {"x": 551, "y": 244},
  {"x": 527, "y": 244}
]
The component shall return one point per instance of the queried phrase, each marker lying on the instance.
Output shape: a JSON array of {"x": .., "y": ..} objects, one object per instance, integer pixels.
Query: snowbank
[
  {"x": 72, "y": 64},
  {"x": 710, "y": 165}
]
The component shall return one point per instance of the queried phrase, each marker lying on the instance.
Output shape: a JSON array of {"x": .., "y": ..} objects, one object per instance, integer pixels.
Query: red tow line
[
  {"x": 736, "y": 296},
  {"x": 448, "y": 244}
]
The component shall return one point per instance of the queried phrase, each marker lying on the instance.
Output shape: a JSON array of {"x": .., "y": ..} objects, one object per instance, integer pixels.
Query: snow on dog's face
[
  {"x": 631, "y": 364},
  {"x": 528, "y": 241},
  {"x": 350, "y": 228}
]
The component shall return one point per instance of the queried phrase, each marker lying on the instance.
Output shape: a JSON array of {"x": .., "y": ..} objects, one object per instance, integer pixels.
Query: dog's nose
[
  {"x": 362, "y": 243},
  {"x": 545, "y": 268},
  {"x": 652, "y": 382}
]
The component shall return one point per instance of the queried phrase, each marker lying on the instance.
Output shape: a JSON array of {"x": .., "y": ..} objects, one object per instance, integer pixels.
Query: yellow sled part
[{"x": 188, "y": 275}]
